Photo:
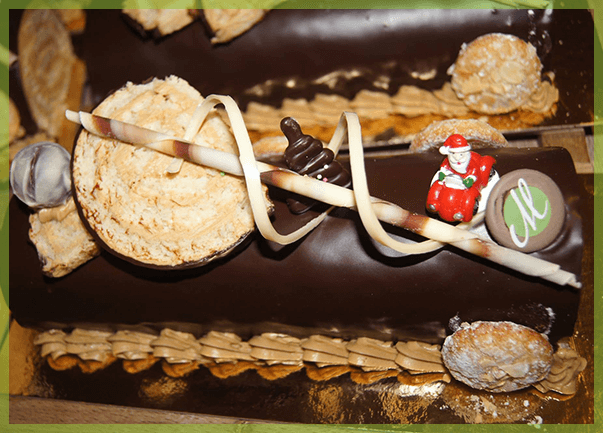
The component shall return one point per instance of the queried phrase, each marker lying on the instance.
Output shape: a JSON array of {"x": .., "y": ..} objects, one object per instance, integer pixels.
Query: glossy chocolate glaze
[
  {"x": 336, "y": 281},
  {"x": 291, "y": 48},
  {"x": 298, "y": 46}
]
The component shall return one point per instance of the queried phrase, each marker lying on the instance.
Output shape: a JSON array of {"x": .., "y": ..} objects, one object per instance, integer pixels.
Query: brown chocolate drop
[{"x": 307, "y": 156}]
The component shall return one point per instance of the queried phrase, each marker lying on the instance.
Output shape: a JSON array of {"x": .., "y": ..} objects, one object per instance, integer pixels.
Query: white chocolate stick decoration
[{"x": 371, "y": 209}]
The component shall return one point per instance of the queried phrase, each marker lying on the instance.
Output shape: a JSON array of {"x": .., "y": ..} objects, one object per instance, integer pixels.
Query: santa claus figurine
[{"x": 456, "y": 187}]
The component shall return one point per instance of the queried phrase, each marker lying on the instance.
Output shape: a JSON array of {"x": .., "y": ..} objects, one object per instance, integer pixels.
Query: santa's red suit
[
  {"x": 458, "y": 174},
  {"x": 475, "y": 170}
]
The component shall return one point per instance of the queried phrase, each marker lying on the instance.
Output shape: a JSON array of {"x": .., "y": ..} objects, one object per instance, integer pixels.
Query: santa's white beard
[{"x": 460, "y": 167}]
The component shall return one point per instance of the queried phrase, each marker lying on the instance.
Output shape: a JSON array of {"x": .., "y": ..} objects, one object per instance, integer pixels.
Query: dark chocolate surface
[
  {"x": 336, "y": 281},
  {"x": 296, "y": 398},
  {"x": 306, "y": 44}
]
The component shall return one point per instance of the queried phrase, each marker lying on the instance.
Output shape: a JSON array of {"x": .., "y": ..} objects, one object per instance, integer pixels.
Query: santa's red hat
[{"x": 455, "y": 143}]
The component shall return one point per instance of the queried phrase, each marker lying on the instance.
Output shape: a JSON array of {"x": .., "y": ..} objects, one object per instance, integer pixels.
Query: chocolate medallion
[{"x": 525, "y": 210}]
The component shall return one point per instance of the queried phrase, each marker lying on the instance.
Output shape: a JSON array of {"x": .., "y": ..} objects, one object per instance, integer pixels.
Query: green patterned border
[{"x": 5, "y": 5}]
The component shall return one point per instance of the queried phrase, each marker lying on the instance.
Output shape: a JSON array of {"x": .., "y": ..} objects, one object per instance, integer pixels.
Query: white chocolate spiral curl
[{"x": 371, "y": 209}]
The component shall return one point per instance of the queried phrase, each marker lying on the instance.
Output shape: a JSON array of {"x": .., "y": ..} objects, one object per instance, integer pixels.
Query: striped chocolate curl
[
  {"x": 256, "y": 172},
  {"x": 251, "y": 169},
  {"x": 371, "y": 209},
  {"x": 349, "y": 125}
]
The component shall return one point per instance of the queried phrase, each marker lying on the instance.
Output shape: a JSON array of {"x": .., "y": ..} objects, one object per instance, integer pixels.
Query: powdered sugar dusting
[
  {"x": 496, "y": 73},
  {"x": 497, "y": 356}
]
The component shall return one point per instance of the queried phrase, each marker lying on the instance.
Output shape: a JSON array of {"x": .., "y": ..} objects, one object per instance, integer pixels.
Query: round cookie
[
  {"x": 496, "y": 73},
  {"x": 525, "y": 210},
  {"x": 476, "y": 132},
  {"x": 45, "y": 75},
  {"x": 497, "y": 356},
  {"x": 140, "y": 211}
]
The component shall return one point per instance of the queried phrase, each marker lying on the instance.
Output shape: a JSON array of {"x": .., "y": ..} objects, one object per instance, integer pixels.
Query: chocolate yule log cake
[
  {"x": 221, "y": 240},
  {"x": 389, "y": 66}
]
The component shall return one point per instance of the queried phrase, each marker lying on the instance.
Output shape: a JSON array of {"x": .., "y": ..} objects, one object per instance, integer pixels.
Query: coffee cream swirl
[
  {"x": 221, "y": 347},
  {"x": 225, "y": 347},
  {"x": 131, "y": 345},
  {"x": 277, "y": 349},
  {"x": 567, "y": 365},
  {"x": 325, "y": 351},
  {"x": 409, "y": 101},
  {"x": 372, "y": 355},
  {"x": 177, "y": 347},
  {"x": 89, "y": 345},
  {"x": 419, "y": 357},
  {"x": 227, "y": 350},
  {"x": 52, "y": 343}
]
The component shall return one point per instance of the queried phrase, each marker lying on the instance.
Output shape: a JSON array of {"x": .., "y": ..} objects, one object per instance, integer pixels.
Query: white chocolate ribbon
[{"x": 371, "y": 210}]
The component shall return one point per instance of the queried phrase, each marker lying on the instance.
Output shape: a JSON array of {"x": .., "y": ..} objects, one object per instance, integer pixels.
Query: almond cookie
[
  {"x": 62, "y": 242},
  {"x": 160, "y": 21},
  {"x": 497, "y": 356},
  {"x": 141, "y": 211},
  {"x": 496, "y": 73},
  {"x": 478, "y": 133},
  {"x": 51, "y": 74},
  {"x": 227, "y": 24}
]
